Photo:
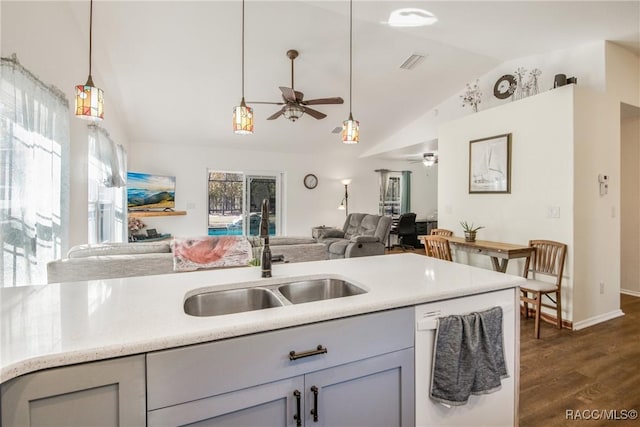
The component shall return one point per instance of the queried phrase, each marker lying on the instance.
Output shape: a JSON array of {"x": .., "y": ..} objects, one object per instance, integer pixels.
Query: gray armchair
[{"x": 361, "y": 235}]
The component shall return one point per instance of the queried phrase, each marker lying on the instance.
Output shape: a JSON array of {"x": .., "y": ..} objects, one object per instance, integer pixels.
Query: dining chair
[
  {"x": 547, "y": 260},
  {"x": 441, "y": 232},
  {"x": 437, "y": 247}
]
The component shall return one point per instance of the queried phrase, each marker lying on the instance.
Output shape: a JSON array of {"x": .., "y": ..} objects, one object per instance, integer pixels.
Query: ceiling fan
[
  {"x": 294, "y": 105},
  {"x": 428, "y": 159}
]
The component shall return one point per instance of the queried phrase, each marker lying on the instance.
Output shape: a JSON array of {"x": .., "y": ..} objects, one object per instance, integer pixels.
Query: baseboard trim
[
  {"x": 628, "y": 292},
  {"x": 597, "y": 319},
  {"x": 548, "y": 318}
]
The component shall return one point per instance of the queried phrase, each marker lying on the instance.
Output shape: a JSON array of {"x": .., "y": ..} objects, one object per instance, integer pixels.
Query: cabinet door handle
[
  {"x": 319, "y": 350},
  {"x": 314, "y": 411},
  {"x": 297, "y": 416}
]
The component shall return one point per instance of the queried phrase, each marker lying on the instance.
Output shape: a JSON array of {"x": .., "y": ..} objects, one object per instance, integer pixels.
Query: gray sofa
[
  {"x": 361, "y": 235},
  {"x": 116, "y": 260}
]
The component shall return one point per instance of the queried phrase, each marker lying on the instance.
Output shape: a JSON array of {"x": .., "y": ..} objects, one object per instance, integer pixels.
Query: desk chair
[
  {"x": 441, "y": 232},
  {"x": 548, "y": 260},
  {"x": 437, "y": 247},
  {"x": 407, "y": 231}
]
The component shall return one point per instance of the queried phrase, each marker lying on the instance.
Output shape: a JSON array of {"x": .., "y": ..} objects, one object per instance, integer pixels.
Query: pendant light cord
[
  {"x": 90, "y": 33},
  {"x": 350, "y": 54},
  {"x": 242, "y": 50}
]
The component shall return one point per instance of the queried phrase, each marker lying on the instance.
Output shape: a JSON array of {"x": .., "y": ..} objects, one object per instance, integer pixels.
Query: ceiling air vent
[
  {"x": 412, "y": 61},
  {"x": 337, "y": 129}
]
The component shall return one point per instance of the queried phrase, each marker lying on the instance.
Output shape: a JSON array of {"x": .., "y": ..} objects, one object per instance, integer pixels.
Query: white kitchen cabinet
[
  {"x": 272, "y": 404},
  {"x": 105, "y": 393},
  {"x": 364, "y": 378},
  {"x": 373, "y": 392}
]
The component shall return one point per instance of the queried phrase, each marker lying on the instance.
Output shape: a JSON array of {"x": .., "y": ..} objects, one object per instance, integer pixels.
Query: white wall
[
  {"x": 622, "y": 74},
  {"x": 542, "y": 177},
  {"x": 304, "y": 208},
  {"x": 586, "y": 62},
  {"x": 630, "y": 206},
  {"x": 596, "y": 217}
]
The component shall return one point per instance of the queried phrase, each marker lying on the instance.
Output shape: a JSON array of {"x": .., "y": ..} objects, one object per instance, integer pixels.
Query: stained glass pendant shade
[
  {"x": 350, "y": 131},
  {"x": 89, "y": 98},
  {"x": 243, "y": 119},
  {"x": 89, "y": 101}
]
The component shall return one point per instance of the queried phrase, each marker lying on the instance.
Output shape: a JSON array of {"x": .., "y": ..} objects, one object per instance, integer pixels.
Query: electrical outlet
[
  {"x": 601, "y": 288},
  {"x": 553, "y": 211}
]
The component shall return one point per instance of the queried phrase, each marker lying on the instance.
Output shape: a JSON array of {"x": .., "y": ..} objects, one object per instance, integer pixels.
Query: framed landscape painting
[{"x": 490, "y": 164}]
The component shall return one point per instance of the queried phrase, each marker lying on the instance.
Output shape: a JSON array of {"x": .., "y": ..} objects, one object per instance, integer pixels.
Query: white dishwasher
[{"x": 496, "y": 409}]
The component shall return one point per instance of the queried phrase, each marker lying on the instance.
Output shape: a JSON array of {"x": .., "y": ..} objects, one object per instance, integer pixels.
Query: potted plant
[{"x": 470, "y": 231}]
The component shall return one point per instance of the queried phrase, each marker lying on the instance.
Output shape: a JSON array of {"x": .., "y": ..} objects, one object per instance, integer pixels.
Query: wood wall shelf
[{"x": 141, "y": 214}]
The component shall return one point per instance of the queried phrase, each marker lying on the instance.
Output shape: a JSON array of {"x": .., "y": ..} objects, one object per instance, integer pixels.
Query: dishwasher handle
[{"x": 430, "y": 322}]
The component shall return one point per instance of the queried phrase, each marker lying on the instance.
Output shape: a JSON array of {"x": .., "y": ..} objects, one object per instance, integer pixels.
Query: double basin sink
[{"x": 216, "y": 303}]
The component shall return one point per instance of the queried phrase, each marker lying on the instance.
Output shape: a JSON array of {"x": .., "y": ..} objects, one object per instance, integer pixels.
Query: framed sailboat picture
[{"x": 490, "y": 164}]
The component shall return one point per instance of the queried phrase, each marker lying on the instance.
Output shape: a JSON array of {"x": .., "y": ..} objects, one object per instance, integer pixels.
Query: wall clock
[
  {"x": 310, "y": 181},
  {"x": 504, "y": 87}
]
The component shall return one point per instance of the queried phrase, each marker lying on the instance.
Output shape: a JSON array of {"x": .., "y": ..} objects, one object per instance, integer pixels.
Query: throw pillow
[{"x": 210, "y": 252}]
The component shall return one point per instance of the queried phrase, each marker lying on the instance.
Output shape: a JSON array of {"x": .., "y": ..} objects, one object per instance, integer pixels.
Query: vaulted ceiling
[{"x": 172, "y": 68}]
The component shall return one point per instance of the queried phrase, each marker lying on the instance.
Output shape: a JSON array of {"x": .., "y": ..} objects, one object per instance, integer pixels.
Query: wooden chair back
[
  {"x": 548, "y": 259},
  {"x": 441, "y": 232},
  {"x": 437, "y": 247}
]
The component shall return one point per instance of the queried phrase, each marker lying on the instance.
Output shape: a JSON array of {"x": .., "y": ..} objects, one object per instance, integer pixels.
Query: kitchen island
[{"x": 143, "y": 319}]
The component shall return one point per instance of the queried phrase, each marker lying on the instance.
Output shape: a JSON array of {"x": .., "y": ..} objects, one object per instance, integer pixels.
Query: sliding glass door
[
  {"x": 235, "y": 202},
  {"x": 257, "y": 189}
]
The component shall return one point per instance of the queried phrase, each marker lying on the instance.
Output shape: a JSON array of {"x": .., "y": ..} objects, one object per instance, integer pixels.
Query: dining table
[{"x": 499, "y": 252}]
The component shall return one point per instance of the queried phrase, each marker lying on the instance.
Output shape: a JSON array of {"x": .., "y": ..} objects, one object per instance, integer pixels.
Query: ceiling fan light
[
  {"x": 243, "y": 119},
  {"x": 89, "y": 101},
  {"x": 293, "y": 112},
  {"x": 429, "y": 159},
  {"x": 350, "y": 131}
]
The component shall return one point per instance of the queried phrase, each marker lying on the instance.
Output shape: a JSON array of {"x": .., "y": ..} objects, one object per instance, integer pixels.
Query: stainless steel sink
[
  {"x": 318, "y": 289},
  {"x": 230, "y": 301}
]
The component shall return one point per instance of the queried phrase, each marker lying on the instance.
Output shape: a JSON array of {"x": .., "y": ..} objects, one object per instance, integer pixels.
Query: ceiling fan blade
[
  {"x": 264, "y": 102},
  {"x": 288, "y": 94},
  {"x": 314, "y": 113},
  {"x": 276, "y": 115},
  {"x": 335, "y": 100}
]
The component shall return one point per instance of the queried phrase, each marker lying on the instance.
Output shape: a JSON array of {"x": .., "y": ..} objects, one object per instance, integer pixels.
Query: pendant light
[
  {"x": 243, "y": 115},
  {"x": 89, "y": 99},
  {"x": 350, "y": 127}
]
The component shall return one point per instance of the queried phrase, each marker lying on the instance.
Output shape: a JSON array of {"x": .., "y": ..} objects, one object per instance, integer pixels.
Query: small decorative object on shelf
[
  {"x": 521, "y": 89},
  {"x": 470, "y": 231},
  {"x": 504, "y": 87},
  {"x": 135, "y": 225},
  {"x": 473, "y": 96},
  {"x": 533, "y": 81},
  {"x": 528, "y": 87}
]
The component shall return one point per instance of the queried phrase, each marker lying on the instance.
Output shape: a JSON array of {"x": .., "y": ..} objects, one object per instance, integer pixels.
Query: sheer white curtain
[
  {"x": 34, "y": 175},
  {"x": 107, "y": 188}
]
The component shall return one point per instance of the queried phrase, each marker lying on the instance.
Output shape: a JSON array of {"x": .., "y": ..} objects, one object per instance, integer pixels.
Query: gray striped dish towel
[{"x": 468, "y": 356}]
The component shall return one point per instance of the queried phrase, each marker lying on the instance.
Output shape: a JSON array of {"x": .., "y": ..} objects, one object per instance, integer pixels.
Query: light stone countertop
[{"x": 66, "y": 323}]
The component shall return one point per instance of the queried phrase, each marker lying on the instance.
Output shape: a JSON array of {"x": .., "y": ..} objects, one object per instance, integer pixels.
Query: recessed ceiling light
[{"x": 411, "y": 17}]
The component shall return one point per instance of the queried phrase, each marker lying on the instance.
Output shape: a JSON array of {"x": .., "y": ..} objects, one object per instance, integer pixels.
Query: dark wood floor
[{"x": 597, "y": 368}]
